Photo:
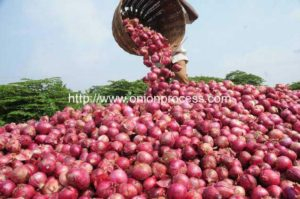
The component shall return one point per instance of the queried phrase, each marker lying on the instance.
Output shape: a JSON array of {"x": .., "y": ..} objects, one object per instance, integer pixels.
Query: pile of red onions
[{"x": 244, "y": 147}]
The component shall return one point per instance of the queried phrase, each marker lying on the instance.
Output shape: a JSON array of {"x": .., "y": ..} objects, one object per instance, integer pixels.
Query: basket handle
[{"x": 192, "y": 13}]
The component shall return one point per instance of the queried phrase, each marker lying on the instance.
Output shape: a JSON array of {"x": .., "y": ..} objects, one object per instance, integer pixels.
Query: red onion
[
  {"x": 75, "y": 150},
  {"x": 141, "y": 171},
  {"x": 222, "y": 142},
  {"x": 177, "y": 191},
  {"x": 176, "y": 167},
  {"x": 43, "y": 127},
  {"x": 189, "y": 152},
  {"x": 270, "y": 158},
  {"x": 127, "y": 190},
  {"x": 269, "y": 177},
  {"x": 20, "y": 174},
  {"x": 244, "y": 158},
  {"x": 208, "y": 162},
  {"x": 105, "y": 189},
  {"x": 6, "y": 188},
  {"x": 205, "y": 149},
  {"x": 289, "y": 192},
  {"x": 93, "y": 158},
  {"x": 238, "y": 145},
  {"x": 38, "y": 180},
  {"x": 123, "y": 162},
  {"x": 159, "y": 170},
  {"x": 141, "y": 129},
  {"x": 136, "y": 184},
  {"x": 47, "y": 165},
  {"x": 40, "y": 196},
  {"x": 68, "y": 192},
  {"x": 239, "y": 191},
  {"x": 276, "y": 134},
  {"x": 23, "y": 190},
  {"x": 248, "y": 182},
  {"x": 283, "y": 163},
  {"x": 210, "y": 175},
  {"x": 78, "y": 178},
  {"x": 193, "y": 170},
  {"x": 222, "y": 172},
  {"x": 118, "y": 176},
  {"x": 51, "y": 186},
  {"x": 116, "y": 196},
  {"x": 293, "y": 174},
  {"x": 145, "y": 146},
  {"x": 211, "y": 192},
  {"x": 225, "y": 190},
  {"x": 149, "y": 183},
  {"x": 235, "y": 172},
  {"x": 129, "y": 148},
  {"x": 144, "y": 157},
  {"x": 259, "y": 192},
  {"x": 275, "y": 191}
]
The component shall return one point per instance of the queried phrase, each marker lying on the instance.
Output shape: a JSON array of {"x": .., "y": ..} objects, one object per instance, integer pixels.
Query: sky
[{"x": 72, "y": 39}]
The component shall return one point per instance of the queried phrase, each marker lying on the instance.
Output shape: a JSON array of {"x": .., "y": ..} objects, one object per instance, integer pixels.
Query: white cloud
[{"x": 274, "y": 65}]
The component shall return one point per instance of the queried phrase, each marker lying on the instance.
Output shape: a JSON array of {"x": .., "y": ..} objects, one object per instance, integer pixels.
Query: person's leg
[{"x": 182, "y": 74}]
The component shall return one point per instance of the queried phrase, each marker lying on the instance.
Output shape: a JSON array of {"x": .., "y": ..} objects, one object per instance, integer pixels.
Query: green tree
[
  {"x": 240, "y": 77},
  {"x": 205, "y": 79},
  {"x": 30, "y": 99},
  {"x": 295, "y": 86},
  {"x": 121, "y": 88}
]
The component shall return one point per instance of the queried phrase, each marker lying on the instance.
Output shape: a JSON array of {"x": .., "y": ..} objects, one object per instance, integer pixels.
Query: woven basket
[{"x": 164, "y": 16}]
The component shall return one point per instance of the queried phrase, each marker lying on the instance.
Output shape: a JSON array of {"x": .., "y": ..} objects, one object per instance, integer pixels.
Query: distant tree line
[{"x": 30, "y": 99}]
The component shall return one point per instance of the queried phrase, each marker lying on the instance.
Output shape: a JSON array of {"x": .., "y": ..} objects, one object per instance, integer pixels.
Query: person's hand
[{"x": 181, "y": 75}]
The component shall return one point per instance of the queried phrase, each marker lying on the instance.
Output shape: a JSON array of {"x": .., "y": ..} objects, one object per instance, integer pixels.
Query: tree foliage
[
  {"x": 120, "y": 88},
  {"x": 30, "y": 99},
  {"x": 295, "y": 86},
  {"x": 205, "y": 79},
  {"x": 240, "y": 77}
]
